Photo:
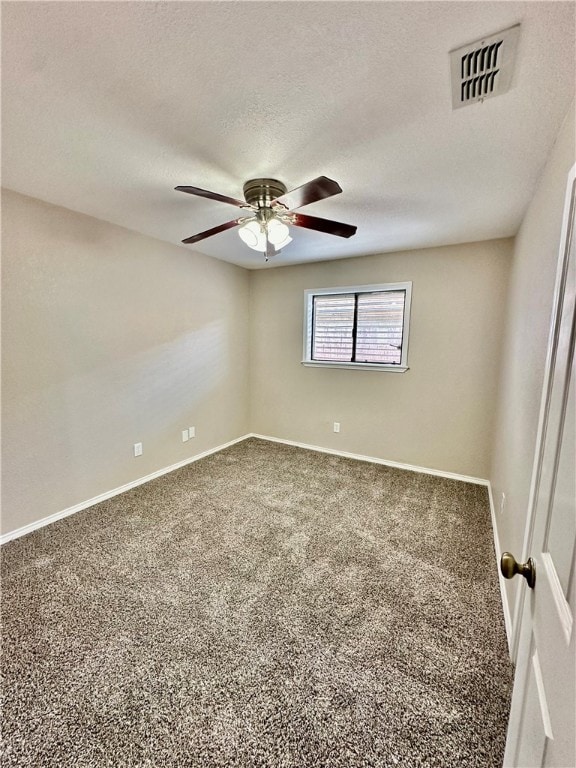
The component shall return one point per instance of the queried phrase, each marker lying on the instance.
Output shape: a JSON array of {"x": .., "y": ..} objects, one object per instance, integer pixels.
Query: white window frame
[{"x": 309, "y": 294}]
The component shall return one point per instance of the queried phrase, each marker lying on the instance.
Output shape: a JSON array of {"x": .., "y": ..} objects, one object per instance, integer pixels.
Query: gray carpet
[{"x": 265, "y": 606}]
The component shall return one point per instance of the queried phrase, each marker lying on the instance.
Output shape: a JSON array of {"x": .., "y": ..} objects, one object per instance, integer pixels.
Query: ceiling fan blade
[
  {"x": 324, "y": 225},
  {"x": 213, "y": 231},
  {"x": 314, "y": 190},
  {"x": 213, "y": 196}
]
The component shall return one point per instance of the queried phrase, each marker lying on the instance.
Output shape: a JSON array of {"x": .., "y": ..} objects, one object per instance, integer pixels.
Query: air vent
[{"x": 483, "y": 69}]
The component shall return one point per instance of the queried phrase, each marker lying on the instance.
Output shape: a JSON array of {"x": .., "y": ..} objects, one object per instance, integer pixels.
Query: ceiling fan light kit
[
  {"x": 255, "y": 234},
  {"x": 271, "y": 205},
  {"x": 278, "y": 233},
  {"x": 251, "y": 233}
]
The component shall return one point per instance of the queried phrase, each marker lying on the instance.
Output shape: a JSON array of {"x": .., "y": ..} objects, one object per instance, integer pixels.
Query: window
[{"x": 365, "y": 326}]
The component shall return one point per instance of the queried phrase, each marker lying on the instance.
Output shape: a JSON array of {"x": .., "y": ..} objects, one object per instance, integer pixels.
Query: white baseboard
[
  {"x": 374, "y": 460},
  {"x": 503, "y": 594},
  {"x": 109, "y": 494}
]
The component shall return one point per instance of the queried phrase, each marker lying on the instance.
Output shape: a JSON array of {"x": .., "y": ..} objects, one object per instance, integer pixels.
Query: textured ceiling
[{"x": 107, "y": 106}]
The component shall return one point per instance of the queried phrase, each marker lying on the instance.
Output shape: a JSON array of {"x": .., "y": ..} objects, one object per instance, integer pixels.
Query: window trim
[{"x": 309, "y": 294}]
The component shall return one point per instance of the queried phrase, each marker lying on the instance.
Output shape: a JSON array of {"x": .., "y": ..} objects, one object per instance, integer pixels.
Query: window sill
[{"x": 356, "y": 366}]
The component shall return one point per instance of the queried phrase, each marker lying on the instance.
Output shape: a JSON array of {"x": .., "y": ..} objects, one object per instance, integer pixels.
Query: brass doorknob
[{"x": 509, "y": 568}]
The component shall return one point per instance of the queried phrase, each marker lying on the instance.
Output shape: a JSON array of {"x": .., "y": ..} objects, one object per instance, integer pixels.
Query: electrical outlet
[
  {"x": 137, "y": 449},
  {"x": 502, "y": 503},
  {"x": 336, "y": 426},
  {"x": 184, "y": 435},
  {"x": 191, "y": 432}
]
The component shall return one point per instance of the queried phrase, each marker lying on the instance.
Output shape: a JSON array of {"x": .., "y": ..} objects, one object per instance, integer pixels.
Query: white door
[{"x": 542, "y": 729}]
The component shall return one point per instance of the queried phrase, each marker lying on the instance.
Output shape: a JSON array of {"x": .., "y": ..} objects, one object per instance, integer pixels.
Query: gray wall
[
  {"x": 529, "y": 308},
  {"x": 440, "y": 413},
  {"x": 110, "y": 338}
]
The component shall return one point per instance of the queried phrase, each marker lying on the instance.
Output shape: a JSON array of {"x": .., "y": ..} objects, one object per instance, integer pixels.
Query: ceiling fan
[{"x": 271, "y": 209}]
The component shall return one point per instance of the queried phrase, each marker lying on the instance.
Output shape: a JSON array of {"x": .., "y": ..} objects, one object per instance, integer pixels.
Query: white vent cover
[{"x": 484, "y": 68}]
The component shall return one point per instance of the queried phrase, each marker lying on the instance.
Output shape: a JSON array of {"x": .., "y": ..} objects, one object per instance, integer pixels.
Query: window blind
[
  {"x": 359, "y": 327},
  {"x": 333, "y": 321},
  {"x": 379, "y": 331}
]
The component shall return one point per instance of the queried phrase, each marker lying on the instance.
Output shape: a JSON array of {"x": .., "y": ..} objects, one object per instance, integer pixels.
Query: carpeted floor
[{"x": 266, "y": 606}]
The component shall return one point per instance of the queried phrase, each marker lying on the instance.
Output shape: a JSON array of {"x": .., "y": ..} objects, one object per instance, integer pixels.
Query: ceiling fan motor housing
[{"x": 261, "y": 192}]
